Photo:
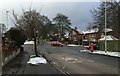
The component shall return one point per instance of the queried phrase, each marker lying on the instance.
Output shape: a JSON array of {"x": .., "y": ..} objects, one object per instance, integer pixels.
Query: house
[
  {"x": 91, "y": 35},
  {"x": 94, "y": 34},
  {"x": 54, "y": 37},
  {"x": 74, "y": 36}
]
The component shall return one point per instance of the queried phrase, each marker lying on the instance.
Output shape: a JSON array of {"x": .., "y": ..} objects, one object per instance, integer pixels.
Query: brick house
[
  {"x": 74, "y": 36},
  {"x": 91, "y": 35},
  {"x": 94, "y": 34}
]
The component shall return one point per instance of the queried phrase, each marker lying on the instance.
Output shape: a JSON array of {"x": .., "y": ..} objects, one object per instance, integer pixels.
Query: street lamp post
[
  {"x": 105, "y": 28},
  {"x": 7, "y": 17}
]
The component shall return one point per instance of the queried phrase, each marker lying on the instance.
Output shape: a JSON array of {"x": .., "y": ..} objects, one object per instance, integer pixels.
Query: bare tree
[
  {"x": 62, "y": 22},
  {"x": 112, "y": 16}
]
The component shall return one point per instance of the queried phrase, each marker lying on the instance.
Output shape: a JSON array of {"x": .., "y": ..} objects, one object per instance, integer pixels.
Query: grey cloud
[{"x": 78, "y": 12}]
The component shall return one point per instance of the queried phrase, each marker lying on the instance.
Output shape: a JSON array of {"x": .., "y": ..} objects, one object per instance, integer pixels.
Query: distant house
[
  {"x": 94, "y": 35},
  {"x": 91, "y": 35},
  {"x": 54, "y": 37},
  {"x": 74, "y": 36}
]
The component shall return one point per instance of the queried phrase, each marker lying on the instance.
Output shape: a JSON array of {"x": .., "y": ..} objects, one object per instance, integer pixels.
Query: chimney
[{"x": 75, "y": 28}]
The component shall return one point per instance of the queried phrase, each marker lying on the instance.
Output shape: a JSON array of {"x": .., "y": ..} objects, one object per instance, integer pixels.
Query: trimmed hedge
[
  {"x": 17, "y": 35},
  {"x": 112, "y": 45}
]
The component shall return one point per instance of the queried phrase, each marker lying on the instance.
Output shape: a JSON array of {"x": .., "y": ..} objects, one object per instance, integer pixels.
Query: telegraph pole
[
  {"x": 105, "y": 27},
  {"x": 7, "y": 17}
]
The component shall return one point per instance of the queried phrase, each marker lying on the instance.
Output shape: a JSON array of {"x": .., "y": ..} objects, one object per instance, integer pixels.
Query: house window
[
  {"x": 93, "y": 39},
  {"x": 84, "y": 37},
  {"x": 93, "y": 36}
]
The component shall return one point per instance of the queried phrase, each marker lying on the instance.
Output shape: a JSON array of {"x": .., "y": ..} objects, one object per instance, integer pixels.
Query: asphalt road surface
[{"x": 71, "y": 61}]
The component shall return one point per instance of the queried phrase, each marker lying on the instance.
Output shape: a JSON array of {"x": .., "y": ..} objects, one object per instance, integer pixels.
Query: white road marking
[{"x": 91, "y": 60}]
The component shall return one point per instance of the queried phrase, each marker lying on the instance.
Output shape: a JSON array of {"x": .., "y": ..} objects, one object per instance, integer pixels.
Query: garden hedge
[{"x": 112, "y": 45}]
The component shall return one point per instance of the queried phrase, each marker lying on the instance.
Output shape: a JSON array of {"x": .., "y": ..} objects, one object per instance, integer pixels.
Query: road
[
  {"x": 64, "y": 60},
  {"x": 71, "y": 61},
  {"x": 19, "y": 65}
]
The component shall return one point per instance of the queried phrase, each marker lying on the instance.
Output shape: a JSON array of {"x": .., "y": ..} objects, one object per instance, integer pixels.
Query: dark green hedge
[
  {"x": 17, "y": 35},
  {"x": 113, "y": 45}
]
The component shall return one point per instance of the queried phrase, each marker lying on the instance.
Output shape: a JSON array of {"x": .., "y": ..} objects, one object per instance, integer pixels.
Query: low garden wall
[
  {"x": 9, "y": 51},
  {"x": 7, "y": 57}
]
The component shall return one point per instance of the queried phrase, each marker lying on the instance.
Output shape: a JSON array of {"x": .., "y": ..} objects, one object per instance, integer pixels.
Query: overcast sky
[{"x": 78, "y": 12}]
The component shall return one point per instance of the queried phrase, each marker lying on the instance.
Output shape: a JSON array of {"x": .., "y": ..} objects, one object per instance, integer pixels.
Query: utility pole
[
  {"x": 61, "y": 33},
  {"x": 105, "y": 27},
  {"x": 7, "y": 17}
]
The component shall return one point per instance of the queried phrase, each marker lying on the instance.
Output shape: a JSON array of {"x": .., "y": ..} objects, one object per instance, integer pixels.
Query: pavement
[{"x": 19, "y": 65}]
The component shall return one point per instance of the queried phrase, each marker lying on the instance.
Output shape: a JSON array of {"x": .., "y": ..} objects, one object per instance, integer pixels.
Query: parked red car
[{"x": 56, "y": 43}]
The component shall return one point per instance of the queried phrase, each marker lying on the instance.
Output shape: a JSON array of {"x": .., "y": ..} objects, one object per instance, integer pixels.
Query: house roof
[
  {"x": 109, "y": 37},
  {"x": 90, "y": 31},
  {"x": 108, "y": 30},
  {"x": 76, "y": 31},
  {"x": 95, "y": 30}
]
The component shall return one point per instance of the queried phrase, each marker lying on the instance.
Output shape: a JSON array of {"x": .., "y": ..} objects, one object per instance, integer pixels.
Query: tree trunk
[{"x": 35, "y": 46}]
